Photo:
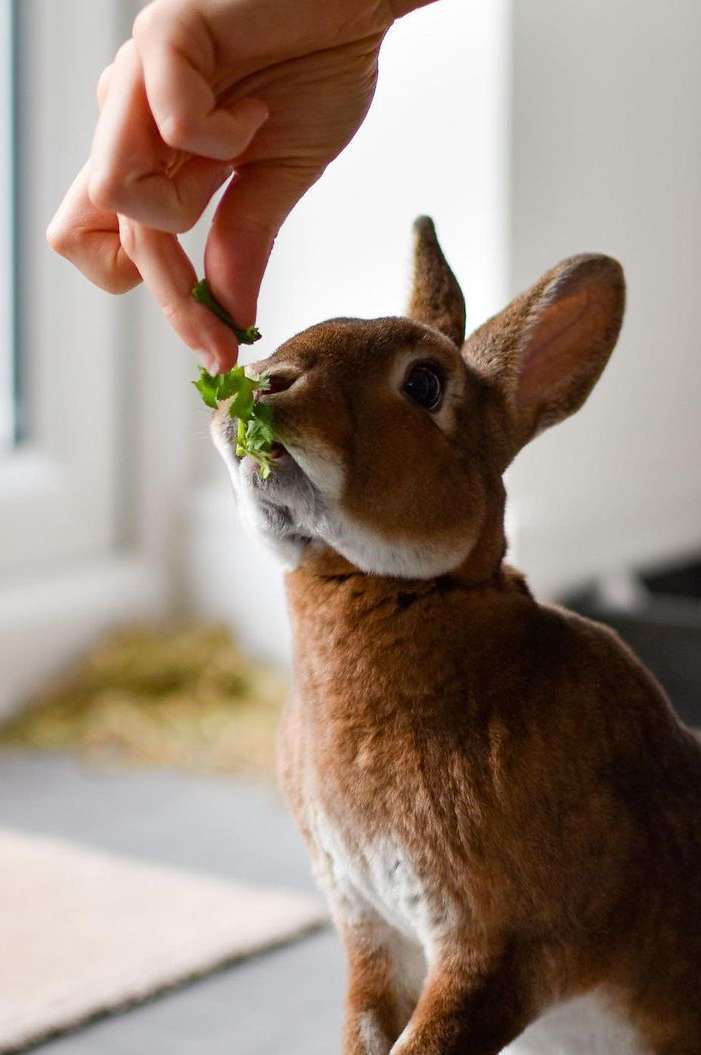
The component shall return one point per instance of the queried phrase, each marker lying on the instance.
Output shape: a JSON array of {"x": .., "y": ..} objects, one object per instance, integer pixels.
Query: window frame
[
  {"x": 8, "y": 243},
  {"x": 57, "y": 497},
  {"x": 92, "y": 495}
]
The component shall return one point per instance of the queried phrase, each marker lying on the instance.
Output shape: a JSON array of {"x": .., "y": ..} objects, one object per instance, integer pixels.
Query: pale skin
[{"x": 260, "y": 95}]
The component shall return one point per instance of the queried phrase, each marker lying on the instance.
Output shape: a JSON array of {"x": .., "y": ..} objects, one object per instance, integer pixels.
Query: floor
[{"x": 286, "y": 1001}]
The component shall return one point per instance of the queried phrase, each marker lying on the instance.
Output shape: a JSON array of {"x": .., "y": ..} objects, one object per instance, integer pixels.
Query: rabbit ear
[
  {"x": 436, "y": 297},
  {"x": 547, "y": 349}
]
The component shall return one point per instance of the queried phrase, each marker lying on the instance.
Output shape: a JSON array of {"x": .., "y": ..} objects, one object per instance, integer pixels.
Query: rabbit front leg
[
  {"x": 378, "y": 1004},
  {"x": 469, "y": 1006}
]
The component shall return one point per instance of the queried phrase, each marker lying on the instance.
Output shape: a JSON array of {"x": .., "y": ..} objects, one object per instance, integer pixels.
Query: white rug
[{"x": 83, "y": 932}]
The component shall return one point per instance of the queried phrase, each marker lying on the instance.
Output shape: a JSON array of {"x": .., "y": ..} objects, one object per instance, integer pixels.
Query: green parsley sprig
[
  {"x": 254, "y": 430},
  {"x": 203, "y": 295}
]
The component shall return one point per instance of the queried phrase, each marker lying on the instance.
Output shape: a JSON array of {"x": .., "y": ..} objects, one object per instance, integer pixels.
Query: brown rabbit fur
[{"x": 500, "y": 804}]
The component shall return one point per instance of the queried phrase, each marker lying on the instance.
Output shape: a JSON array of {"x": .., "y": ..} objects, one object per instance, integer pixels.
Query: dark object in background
[{"x": 662, "y": 624}]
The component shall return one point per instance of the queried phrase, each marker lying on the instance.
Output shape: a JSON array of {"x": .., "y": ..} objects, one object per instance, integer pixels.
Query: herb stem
[{"x": 202, "y": 293}]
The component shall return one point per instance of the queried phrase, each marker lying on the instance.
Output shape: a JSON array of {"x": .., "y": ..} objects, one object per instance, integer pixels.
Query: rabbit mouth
[
  {"x": 284, "y": 469},
  {"x": 287, "y": 485},
  {"x": 278, "y": 457},
  {"x": 293, "y": 504},
  {"x": 286, "y": 508},
  {"x": 277, "y": 453}
]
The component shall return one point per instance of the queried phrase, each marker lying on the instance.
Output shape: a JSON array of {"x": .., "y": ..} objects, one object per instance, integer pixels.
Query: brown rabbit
[{"x": 500, "y": 804}]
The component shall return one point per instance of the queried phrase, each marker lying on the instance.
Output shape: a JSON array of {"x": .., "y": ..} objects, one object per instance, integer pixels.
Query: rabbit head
[{"x": 395, "y": 432}]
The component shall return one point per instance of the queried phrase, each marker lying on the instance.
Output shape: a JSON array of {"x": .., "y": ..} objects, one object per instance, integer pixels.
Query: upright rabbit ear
[
  {"x": 547, "y": 349},
  {"x": 436, "y": 297}
]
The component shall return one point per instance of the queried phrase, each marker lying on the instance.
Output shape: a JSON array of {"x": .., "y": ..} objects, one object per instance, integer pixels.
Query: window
[
  {"x": 59, "y": 339},
  {"x": 8, "y": 409},
  {"x": 89, "y": 471}
]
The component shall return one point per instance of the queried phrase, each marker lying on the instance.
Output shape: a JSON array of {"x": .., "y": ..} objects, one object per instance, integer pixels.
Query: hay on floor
[{"x": 169, "y": 697}]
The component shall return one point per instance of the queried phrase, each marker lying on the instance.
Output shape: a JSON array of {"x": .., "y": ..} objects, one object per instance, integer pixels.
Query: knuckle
[
  {"x": 123, "y": 52},
  {"x": 119, "y": 275},
  {"x": 156, "y": 21},
  {"x": 176, "y": 318},
  {"x": 59, "y": 238},
  {"x": 106, "y": 190},
  {"x": 177, "y": 130},
  {"x": 101, "y": 190},
  {"x": 161, "y": 20},
  {"x": 145, "y": 22},
  {"x": 188, "y": 215},
  {"x": 128, "y": 238},
  {"x": 112, "y": 283},
  {"x": 172, "y": 313}
]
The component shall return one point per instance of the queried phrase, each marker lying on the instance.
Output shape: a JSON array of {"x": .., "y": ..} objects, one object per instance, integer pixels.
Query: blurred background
[{"x": 529, "y": 131}]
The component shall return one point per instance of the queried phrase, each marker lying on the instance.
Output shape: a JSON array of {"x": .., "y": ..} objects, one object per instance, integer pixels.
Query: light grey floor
[{"x": 287, "y": 1001}]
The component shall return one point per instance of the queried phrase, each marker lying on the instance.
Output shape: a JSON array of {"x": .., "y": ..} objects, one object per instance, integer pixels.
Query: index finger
[
  {"x": 170, "y": 277},
  {"x": 89, "y": 238}
]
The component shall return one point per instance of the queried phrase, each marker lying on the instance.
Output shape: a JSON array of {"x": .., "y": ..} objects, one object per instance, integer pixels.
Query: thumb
[{"x": 244, "y": 228}]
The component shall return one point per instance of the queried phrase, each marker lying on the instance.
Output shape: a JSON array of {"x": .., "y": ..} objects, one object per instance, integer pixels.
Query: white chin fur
[
  {"x": 407, "y": 560},
  {"x": 264, "y": 520},
  {"x": 301, "y": 506}
]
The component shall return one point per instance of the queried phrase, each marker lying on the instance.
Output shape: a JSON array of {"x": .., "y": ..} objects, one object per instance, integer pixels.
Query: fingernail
[{"x": 209, "y": 362}]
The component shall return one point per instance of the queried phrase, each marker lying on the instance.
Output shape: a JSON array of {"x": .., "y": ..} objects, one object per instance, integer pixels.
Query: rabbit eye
[{"x": 424, "y": 386}]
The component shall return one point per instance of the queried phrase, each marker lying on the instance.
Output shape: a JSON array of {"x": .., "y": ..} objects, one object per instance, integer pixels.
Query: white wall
[
  {"x": 607, "y": 156},
  {"x": 7, "y": 415},
  {"x": 434, "y": 142}
]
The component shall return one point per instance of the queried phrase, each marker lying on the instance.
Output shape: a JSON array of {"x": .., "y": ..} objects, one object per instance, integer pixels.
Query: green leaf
[
  {"x": 230, "y": 382},
  {"x": 259, "y": 435},
  {"x": 240, "y": 438},
  {"x": 242, "y": 405},
  {"x": 264, "y": 467},
  {"x": 207, "y": 387},
  {"x": 255, "y": 432},
  {"x": 264, "y": 413}
]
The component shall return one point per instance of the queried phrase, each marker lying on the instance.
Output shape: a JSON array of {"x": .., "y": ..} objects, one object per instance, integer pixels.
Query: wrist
[{"x": 404, "y": 7}]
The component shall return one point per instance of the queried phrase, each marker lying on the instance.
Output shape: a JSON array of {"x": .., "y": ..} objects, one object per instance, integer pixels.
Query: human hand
[{"x": 269, "y": 90}]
